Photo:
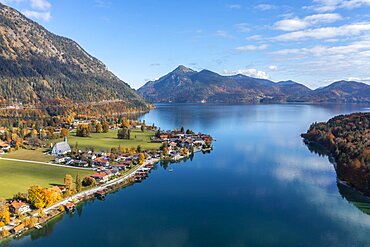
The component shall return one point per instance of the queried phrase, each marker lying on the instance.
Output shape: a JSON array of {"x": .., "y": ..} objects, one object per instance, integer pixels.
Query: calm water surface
[{"x": 261, "y": 186}]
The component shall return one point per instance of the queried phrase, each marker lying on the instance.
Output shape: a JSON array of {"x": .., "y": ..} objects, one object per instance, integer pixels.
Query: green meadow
[
  {"x": 106, "y": 141},
  {"x": 17, "y": 176}
]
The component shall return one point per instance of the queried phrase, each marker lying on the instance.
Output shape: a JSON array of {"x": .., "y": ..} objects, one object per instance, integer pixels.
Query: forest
[{"x": 347, "y": 138}]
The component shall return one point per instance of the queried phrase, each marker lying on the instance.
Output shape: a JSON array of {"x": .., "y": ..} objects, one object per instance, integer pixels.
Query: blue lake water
[{"x": 261, "y": 186}]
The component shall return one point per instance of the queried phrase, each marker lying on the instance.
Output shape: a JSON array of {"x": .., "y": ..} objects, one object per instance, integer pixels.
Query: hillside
[
  {"x": 186, "y": 85},
  {"x": 38, "y": 67},
  {"x": 347, "y": 138}
]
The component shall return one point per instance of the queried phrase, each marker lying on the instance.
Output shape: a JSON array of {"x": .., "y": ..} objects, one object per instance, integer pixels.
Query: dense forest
[{"x": 347, "y": 137}]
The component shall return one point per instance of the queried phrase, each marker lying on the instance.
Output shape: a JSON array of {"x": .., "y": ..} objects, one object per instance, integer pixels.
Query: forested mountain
[
  {"x": 186, "y": 85},
  {"x": 347, "y": 137},
  {"x": 39, "y": 67}
]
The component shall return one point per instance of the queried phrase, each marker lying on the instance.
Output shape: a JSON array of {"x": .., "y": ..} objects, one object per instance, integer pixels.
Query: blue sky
[{"x": 313, "y": 42}]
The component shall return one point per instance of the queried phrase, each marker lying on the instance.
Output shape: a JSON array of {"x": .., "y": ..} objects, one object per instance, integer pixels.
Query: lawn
[
  {"x": 35, "y": 155},
  {"x": 19, "y": 176},
  {"x": 106, "y": 141}
]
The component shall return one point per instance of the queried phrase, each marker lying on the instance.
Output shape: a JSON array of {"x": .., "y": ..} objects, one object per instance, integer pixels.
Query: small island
[
  {"x": 91, "y": 156},
  {"x": 347, "y": 139}
]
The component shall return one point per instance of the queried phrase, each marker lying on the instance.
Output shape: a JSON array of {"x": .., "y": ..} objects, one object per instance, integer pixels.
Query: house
[
  {"x": 163, "y": 137},
  {"x": 2, "y": 152},
  {"x": 2, "y": 130},
  {"x": 4, "y": 146},
  {"x": 18, "y": 229},
  {"x": 100, "y": 177},
  {"x": 18, "y": 207},
  {"x": 60, "y": 160},
  {"x": 100, "y": 161},
  {"x": 61, "y": 148}
]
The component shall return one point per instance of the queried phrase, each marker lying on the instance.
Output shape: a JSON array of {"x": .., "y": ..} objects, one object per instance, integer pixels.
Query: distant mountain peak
[{"x": 183, "y": 69}]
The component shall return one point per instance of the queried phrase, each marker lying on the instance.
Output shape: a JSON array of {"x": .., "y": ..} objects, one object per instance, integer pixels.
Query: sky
[{"x": 313, "y": 42}]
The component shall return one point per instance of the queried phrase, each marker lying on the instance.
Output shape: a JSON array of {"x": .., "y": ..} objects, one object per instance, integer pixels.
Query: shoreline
[{"x": 83, "y": 196}]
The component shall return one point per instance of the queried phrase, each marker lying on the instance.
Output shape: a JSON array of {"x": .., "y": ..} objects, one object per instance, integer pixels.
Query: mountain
[
  {"x": 340, "y": 91},
  {"x": 38, "y": 67},
  {"x": 186, "y": 85}
]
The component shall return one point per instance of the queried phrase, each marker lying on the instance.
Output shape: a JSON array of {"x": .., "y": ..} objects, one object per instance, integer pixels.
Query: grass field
[
  {"x": 106, "y": 141},
  {"x": 35, "y": 155},
  {"x": 19, "y": 176}
]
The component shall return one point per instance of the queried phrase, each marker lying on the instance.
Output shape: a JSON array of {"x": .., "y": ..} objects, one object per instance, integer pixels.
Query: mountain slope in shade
[
  {"x": 37, "y": 66},
  {"x": 186, "y": 85}
]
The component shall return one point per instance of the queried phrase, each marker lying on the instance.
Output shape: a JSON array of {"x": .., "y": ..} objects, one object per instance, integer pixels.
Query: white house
[{"x": 61, "y": 148}]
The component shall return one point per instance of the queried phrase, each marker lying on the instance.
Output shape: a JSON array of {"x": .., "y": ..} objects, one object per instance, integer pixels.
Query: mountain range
[
  {"x": 186, "y": 85},
  {"x": 38, "y": 67}
]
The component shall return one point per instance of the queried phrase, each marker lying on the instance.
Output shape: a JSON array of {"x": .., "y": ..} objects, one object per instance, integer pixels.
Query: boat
[
  {"x": 38, "y": 226},
  {"x": 170, "y": 170}
]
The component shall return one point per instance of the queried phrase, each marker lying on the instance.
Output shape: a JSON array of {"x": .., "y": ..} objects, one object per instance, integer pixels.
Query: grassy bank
[{"x": 19, "y": 176}]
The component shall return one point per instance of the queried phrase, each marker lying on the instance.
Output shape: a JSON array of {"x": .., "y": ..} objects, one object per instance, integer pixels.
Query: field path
[{"x": 45, "y": 163}]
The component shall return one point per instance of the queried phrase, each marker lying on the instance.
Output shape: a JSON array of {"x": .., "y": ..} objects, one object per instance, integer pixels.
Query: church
[{"x": 61, "y": 148}]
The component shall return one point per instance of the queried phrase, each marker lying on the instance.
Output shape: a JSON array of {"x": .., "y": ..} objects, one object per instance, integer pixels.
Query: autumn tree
[
  {"x": 99, "y": 128},
  {"x": 68, "y": 184},
  {"x": 64, "y": 133},
  {"x": 36, "y": 196},
  {"x": 4, "y": 212},
  {"x": 78, "y": 183}
]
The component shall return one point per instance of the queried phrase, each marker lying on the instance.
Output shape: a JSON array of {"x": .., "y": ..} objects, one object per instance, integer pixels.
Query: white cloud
[
  {"x": 254, "y": 37},
  {"x": 265, "y": 6},
  {"x": 252, "y": 47},
  {"x": 331, "y": 5},
  {"x": 273, "y": 67},
  {"x": 243, "y": 27},
  {"x": 234, "y": 6},
  {"x": 248, "y": 72},
  {"x": 40, "y": 4},
  {"x": 45, "y": 16},
  {"x": 222, "y": 33},
  {"x": 297, "y": 23},
  {"x": 327, "y": 32}
]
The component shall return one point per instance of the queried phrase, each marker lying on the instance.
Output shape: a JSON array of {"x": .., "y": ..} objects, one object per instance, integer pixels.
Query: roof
[
  {"x": 99, "y": 175},
  {"x": 62, "y": 147},
  {"x": 19, "y": 227},
  {"x": 18, "y": 204}
]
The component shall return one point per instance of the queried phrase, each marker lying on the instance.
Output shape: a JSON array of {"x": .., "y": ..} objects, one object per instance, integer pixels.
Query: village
[{"x": 109, "y": 171}]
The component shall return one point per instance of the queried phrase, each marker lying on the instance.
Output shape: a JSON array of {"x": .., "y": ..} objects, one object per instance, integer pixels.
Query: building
[
  {"x": 18, "y": 207},
  {"x": 61, "y": 148},
  {"x": 100, "y": 177}
]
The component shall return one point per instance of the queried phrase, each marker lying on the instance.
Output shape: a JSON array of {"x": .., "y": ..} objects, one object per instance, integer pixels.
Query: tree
[
  {"x": 124, "y": 133},
  {"x": 88, "y": 181},
  {"x": 83, "y": 130},
  {"x": 141, "y": 158},
  {"x": 64, "y": 133},
  {"x": 138, "y": 149},
  {"x": 78, "y": 183},
  {"x": 4, "y": 212},
  {"x": 182, "y": 130},
  {"x": 36, "y": 196},
  {"x": 105, "y": 126},
  {"x": 142, "y": 128},
  {"x": 99, "y": 128},
  {"x": 68, "y": 183}
]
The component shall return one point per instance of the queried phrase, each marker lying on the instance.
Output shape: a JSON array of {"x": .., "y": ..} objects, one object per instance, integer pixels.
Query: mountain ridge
[{"x": 209, "y": 86}]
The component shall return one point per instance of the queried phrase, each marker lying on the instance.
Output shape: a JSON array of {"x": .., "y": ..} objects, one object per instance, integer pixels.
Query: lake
[{"x": 260, "y": 186}]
